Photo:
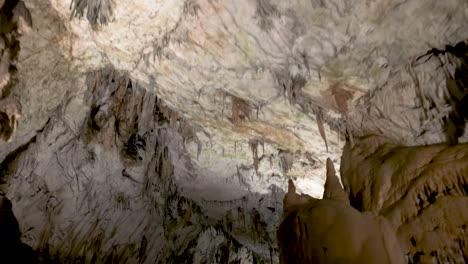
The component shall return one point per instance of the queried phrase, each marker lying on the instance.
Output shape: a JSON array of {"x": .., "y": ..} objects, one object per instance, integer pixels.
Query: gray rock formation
[
  {"x": 120, "y": 162},
  {"x": 167, "y": 131}
]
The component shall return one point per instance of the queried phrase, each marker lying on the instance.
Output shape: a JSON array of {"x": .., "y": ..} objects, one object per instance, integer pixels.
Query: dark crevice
[
  {"x": 97, "y": 12},
  {"x": 135, "y": 144},
  {"x": 457, "y": 88},
  {"x": 92, "y": 118},
  {"x": 8, "y": 163},
  {"x": 12, "y": 250},
  {"x": 356, "y": 201}
]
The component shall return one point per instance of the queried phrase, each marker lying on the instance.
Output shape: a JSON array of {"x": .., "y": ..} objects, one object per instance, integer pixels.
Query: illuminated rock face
[
  {"x": 207, "y": 111},
  {"x": 422, "y": 191},
  {"x": 112, "y": 175}
]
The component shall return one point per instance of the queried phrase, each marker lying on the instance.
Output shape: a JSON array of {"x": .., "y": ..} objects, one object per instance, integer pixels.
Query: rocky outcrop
[
  {"x": 422, "y": 191},
  {"x": 14, "y": 20},
  {"x": 331, "y": 231},
  {"x": 109, "y": 168}
]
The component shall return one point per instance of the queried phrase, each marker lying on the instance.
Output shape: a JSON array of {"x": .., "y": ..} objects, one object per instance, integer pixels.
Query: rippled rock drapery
[
  {"x": 423, "y": 103},
  {"x": 422, "y": 191}
]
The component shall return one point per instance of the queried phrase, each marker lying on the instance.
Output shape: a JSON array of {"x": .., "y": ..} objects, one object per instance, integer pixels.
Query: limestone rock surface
[
  {"x": 166, "y": 131},
  {"x": 329, "y": 230}
]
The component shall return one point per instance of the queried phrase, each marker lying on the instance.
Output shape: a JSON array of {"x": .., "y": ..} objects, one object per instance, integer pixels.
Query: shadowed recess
[{"x": 98, "y": 12}]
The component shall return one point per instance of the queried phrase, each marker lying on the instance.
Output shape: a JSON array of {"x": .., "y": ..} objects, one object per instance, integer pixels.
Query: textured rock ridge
[
  {"x": 421, "y": 190},
  {"x": 331, "y": 231}
]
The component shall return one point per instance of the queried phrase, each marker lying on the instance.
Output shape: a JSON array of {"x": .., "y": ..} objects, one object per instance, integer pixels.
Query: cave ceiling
[{"x": 187, "y": 118}]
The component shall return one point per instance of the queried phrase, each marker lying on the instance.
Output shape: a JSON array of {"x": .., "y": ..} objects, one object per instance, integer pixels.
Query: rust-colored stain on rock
[{"x": 337, "y": 96}]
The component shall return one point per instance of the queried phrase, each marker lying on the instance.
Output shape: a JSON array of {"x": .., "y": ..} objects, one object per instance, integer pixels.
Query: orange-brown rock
[
  {"x": 421, "y": 190},
  {"x": 331, "y": 231}
]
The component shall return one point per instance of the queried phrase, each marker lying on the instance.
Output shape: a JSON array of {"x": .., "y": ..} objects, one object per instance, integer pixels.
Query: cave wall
[
  {"x": 101, "y": 181},
  {"x": 208, "y": 109}
]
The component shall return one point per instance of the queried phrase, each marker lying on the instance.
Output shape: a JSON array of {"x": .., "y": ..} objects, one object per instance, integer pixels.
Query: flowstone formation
[
  {"x": 329, "y": 230},
  {"x": 422, "y": 191}
]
